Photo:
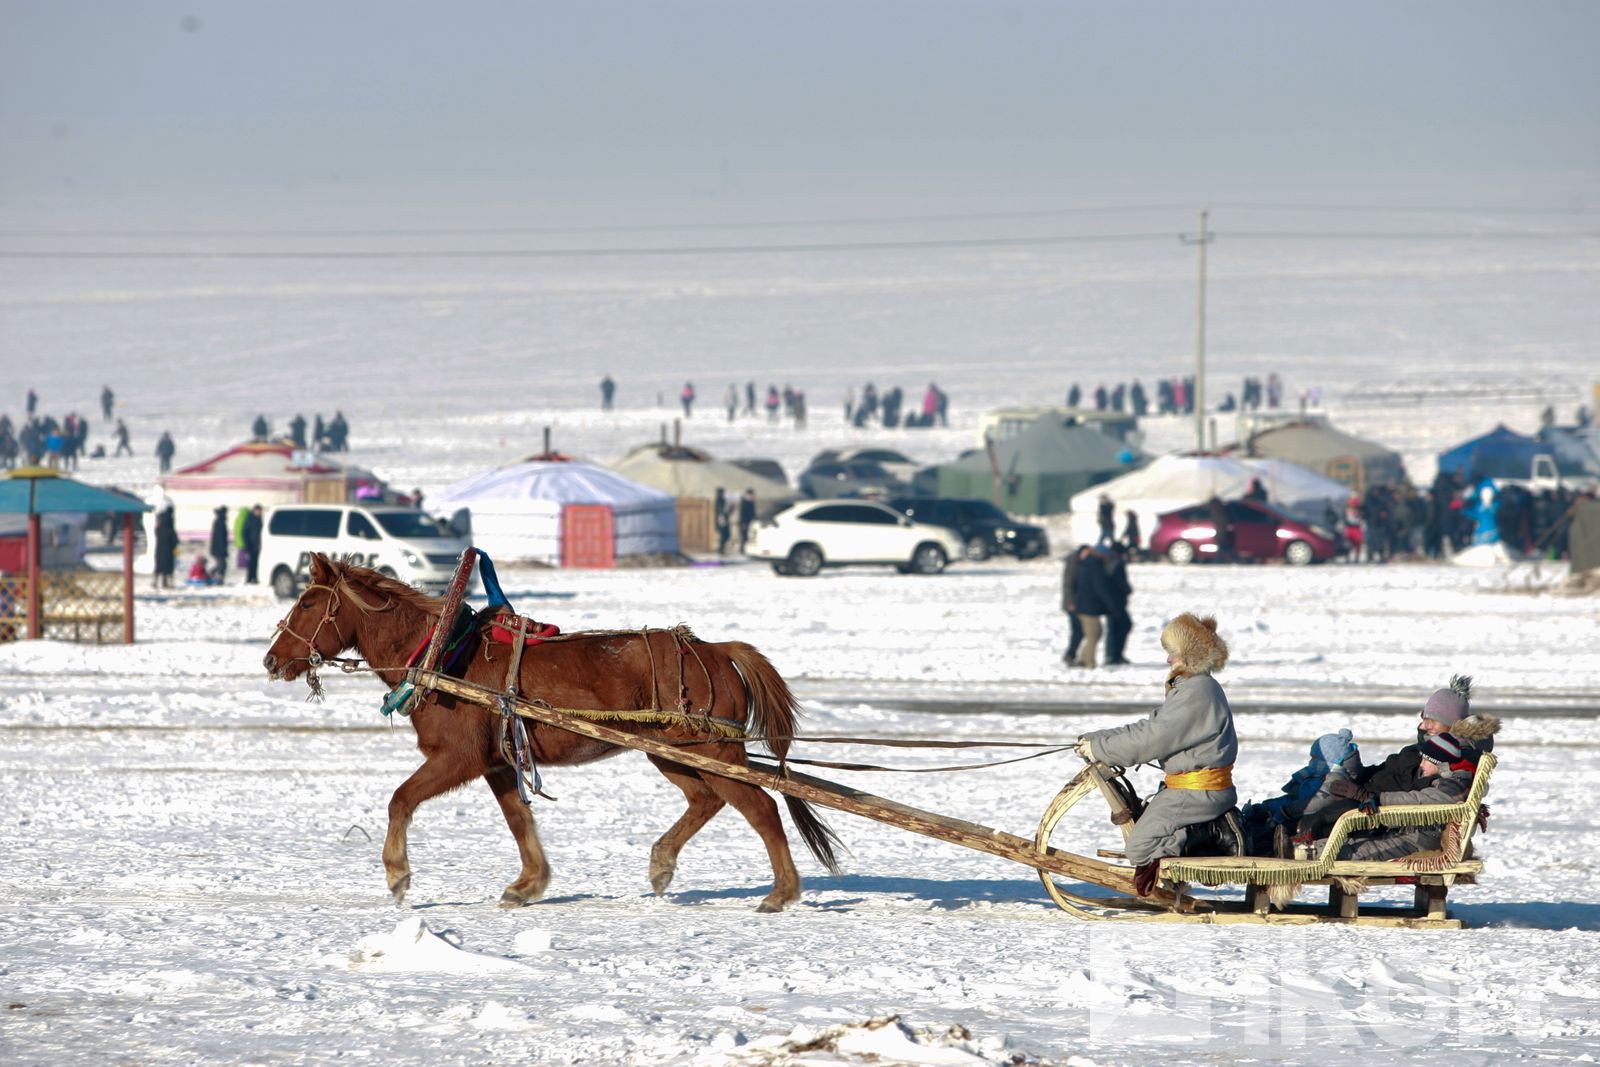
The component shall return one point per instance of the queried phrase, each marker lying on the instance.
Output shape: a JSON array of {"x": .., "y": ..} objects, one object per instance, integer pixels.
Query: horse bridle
[{"x": 315, "y": 660}]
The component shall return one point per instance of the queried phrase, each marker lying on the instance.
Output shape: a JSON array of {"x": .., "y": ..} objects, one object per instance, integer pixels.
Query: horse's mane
[{"x": 368, "y": 578}]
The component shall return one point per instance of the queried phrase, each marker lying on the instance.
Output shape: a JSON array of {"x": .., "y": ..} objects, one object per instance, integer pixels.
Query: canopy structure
[
  {"x": 1181, "y": 479},
  {"x": 517, "y": 510},
  {"x": 266, "y": 473},
  {"x": 1039, "y": 469},
  {"x": 1358, "y": 463},
  {"x": 37, "y": 491},
  {"x": 1500, "y": 453},
  {"x": 1504, "y": 454}
]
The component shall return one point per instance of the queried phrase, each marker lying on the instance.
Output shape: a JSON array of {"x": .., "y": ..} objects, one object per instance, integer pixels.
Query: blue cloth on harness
[{"x": 491, "y": 584}]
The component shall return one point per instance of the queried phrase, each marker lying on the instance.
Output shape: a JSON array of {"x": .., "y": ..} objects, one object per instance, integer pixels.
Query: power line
[
  {"x": 770, "y": 224},
  {"x": 798, "y": 248},
  {"x": 587, "y": 253},
  {"x": 657, "y": 227}
]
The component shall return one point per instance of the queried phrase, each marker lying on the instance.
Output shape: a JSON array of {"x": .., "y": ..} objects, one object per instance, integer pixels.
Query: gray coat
[{"x": 1192, "y": 730}]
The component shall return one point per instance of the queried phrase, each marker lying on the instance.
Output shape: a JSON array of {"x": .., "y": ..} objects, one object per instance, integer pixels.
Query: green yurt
[{"x": 1039, "y": 469}]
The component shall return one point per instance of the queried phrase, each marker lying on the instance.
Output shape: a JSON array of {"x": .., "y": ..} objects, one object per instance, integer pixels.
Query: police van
[{"x": 397, "y": 542}]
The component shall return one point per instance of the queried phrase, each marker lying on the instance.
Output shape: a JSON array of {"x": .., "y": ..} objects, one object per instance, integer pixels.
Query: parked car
[
  {"x": 805, "y": 537},
  {"x": 830, "y": 481},
  {"x": 401, "y": 543},
  {"x": 985, "y": 530},
  {"x": 1260, "y": 531},
  {"x": 896, "y": 463}
]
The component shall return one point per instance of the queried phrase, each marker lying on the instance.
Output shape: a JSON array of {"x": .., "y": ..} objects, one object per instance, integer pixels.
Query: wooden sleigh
[
  {"x": 1272, "y": 884},
  {"x": 1172, "y": 902}
]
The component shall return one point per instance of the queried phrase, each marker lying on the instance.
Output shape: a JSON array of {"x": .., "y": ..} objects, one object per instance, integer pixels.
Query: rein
[{"x": 516, "y": 746}]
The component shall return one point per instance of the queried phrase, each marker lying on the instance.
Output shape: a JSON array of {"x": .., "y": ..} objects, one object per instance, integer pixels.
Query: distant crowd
[
  {"x": 59, "y": 443},
  {"x": 886, "y": 409},
  {"x": 330, "y": 436},
  {"x": 1176, "y": 396}
]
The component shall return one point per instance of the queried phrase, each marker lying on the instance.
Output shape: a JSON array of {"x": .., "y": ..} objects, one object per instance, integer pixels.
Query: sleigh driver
[{"x": 1191, "y": 737}]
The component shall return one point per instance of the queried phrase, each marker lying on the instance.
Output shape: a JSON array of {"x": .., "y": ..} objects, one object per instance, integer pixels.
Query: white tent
[
  {"x": 1179, "y": 480},
  {"x": 516, "y": 510}
]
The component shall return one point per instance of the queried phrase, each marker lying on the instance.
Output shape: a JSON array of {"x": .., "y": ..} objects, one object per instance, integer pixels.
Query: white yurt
[
  {"x": 1181, "y": 479},
  {"x": 517, "y": 510}
]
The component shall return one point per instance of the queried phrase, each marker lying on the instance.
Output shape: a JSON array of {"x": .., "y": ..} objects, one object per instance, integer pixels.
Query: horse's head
[{"x": 318, "y": 626}]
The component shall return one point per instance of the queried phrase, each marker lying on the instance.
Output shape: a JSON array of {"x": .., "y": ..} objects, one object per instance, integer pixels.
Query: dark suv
[{"x": 984, "y": 529}]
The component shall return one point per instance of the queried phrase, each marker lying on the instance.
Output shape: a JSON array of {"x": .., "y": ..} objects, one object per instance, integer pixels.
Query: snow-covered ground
[{"x": 193, "y": 874}]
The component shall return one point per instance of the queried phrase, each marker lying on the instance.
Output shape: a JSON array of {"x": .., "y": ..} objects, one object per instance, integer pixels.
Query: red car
[{"x": 1260, "y": 531}]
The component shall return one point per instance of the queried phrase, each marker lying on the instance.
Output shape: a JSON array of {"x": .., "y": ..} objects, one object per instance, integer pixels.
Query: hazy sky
[{"x": 144, "y": 113}]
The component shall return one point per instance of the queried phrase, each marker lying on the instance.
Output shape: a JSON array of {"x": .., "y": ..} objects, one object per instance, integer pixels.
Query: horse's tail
[
  {"x": 771, "y": 708},
  {"x": 773, "y": 712}
]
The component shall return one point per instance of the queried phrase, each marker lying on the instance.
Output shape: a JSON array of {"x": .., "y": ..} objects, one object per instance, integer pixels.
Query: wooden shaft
[
  {"x": 819, "y": 791},
  {"x": 35, "y": 577},
  {"x": 127, "y": 577}
]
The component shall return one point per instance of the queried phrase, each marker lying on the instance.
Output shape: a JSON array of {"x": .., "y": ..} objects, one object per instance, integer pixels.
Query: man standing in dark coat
[
  {"x": 252, "y": 543},
  {"x": 219, "y": 545},
  {"x": 1092, "y": 596},
  {"x": 166, "y": 547},
  {"x": 1223, "y": 526},
  {"x": 1069, "y": 603},
  {"x": 164, "y": 450},
  {"x": 1118, "y": 623},
  {"x": 747, "y": 516}
]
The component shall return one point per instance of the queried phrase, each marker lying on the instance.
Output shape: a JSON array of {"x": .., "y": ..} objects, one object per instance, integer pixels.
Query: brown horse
[{"x": 385, "y": 620}]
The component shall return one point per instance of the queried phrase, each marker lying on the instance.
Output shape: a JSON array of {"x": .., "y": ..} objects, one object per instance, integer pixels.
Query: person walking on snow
[
  {"x": 219, "y": 543},
  {"x": 1191, "y": 736}
]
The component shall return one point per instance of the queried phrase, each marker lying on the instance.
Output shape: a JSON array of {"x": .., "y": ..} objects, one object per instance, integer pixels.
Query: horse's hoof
[
  {"x": 398, "y": 887},
  {"x": 661, "y": 878},
  {"x": 508, "y": 899},
  {"x": 769, "y": 907}
]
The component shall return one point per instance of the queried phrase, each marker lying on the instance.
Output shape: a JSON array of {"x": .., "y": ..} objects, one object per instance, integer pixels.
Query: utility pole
[{"x": 1199, "y": 398}]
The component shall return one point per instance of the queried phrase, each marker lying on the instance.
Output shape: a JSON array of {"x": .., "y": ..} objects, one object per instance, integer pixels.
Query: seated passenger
[
  {"x": 1445, "y": 769},
  {"x": 1333, "y": 757},
  {"x": 1191, "y": 736},
  {"x": 199, "y": 574},
  {"x": 1446, "y": 711}
]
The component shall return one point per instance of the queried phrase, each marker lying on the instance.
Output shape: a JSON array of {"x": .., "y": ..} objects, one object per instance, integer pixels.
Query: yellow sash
[{"x": 1204, "y": 778}]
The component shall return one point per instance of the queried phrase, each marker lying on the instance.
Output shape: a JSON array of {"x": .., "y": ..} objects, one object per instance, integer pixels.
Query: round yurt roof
[
  {"x": 562, "y": 483},
  {"x": 689, "y": 472}
]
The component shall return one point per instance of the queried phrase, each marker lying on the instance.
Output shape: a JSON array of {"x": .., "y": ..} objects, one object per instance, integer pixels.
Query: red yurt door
[{"x": 588, "y": 536}]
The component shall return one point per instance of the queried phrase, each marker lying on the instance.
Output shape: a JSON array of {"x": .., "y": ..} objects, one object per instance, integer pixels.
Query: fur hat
[
  {"x": 1195, "y": 642},
  {"x": 1451, "y": 705}
]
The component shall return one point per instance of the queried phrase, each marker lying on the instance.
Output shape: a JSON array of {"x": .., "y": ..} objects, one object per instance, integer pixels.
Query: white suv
[{"x": 811, "y": 535}]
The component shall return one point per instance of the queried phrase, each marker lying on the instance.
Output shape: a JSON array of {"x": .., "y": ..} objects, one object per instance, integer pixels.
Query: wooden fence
[{"x": 82, "y": 606}]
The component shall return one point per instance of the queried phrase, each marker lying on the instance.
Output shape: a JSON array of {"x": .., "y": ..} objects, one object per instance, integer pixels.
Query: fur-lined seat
[{"x": 1441, "y": 866}]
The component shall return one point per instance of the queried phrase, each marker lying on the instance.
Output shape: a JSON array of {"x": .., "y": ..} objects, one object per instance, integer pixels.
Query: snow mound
[
  {"x": 412, "y": 947},
  {"x": 1495, "y": 555},
  {"x": 883, "y": 1039}
]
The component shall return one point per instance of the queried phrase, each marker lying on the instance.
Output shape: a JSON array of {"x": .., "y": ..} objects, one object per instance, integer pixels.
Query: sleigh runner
[{"x": 682, "y": 725}]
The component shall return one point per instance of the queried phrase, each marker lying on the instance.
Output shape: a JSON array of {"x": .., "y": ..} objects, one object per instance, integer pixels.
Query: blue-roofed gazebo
[{"x": 36, "y": 491}]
